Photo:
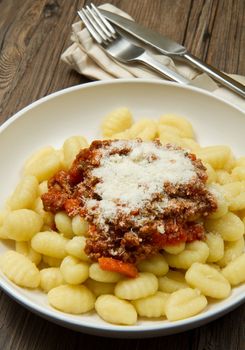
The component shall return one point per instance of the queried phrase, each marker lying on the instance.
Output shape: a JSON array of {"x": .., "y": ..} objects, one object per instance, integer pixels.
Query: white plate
[{"x": 79, "y": 110}]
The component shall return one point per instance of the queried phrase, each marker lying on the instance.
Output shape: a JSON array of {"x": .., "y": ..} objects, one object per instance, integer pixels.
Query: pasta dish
[{"x": 144, "y": 222}]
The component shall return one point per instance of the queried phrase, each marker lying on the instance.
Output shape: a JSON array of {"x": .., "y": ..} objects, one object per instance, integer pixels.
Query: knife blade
[
  {"x": 170, "y": 48},
  {"x": 148, "y": 36}
]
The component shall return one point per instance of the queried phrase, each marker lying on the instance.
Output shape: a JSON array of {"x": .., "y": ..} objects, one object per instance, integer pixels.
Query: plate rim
[
  {"x": 107, "y": 328},
  {"x": 12, "y": 118}
]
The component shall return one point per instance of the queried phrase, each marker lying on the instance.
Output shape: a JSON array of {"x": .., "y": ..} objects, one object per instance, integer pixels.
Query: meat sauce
[{"x": 137, "y": 197}]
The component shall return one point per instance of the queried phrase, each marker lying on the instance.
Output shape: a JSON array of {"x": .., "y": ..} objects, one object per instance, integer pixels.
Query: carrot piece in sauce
[{"x": 114, "y": 265}]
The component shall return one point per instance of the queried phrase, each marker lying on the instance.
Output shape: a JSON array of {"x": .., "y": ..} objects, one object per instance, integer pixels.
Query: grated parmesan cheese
[{"x": 128, "y": 182}]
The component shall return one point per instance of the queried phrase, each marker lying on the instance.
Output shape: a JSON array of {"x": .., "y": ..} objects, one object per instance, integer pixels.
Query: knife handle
[
  {"x": 151, "y": 62},
  {"x": 216, "y": 74}
]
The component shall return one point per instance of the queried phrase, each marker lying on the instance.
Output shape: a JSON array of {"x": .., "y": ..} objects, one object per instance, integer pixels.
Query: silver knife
[{"x": 170, "y": 48}]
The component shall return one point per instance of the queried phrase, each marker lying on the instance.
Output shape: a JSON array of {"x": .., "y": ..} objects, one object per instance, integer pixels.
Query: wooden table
[{"x": 33, "y": 34}]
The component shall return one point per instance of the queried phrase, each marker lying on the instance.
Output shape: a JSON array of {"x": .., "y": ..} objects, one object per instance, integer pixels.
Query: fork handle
[
  {"x": 151, "y": 62},
  {"x": 216, "y": 74}
]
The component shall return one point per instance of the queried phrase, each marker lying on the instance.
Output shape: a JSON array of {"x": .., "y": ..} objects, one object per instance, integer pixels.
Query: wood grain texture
[
  {"x": 33, "y": 34},
  {"x": 37, "y": 33}
]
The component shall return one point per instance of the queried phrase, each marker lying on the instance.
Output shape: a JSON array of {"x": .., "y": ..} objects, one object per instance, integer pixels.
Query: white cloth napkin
[{"x": 87, "y": 58}]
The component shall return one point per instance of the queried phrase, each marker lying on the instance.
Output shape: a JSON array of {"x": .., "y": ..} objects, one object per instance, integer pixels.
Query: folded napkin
[{"x": 87, "y": 58}]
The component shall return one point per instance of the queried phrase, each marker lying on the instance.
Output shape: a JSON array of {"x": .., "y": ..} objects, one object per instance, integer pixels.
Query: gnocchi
[
  {"x": 73, "y": 270},
  {"x": 50, "y": 278},
  {"x": 24, "y": 194},
  {"x": 97, "y": 274},
  {"x": 151, "y": 306},
  {"x": 43, "y": 164},
  {"x": 156, "y": 265},
  {"x": 115, "y": 310},
  {"x": 208, "y": 280},
  {"x": 184, "y": 303},
  {"x": 74, "y": 299},
  {"x": 71, "y": 148},
  {"x": 50, "y": 243},
  {"x": 117, "y": 121},
  {"x": 22, "y": 224},
  {"x": 144, "y": 285},
  {"x": 196, "y": 251},
  {"x": 234, "y": 272},
  {"x": 20, "y": 269},
  {"x": 172, "y": 281},
  {"x": 76, "y": 246},
  {"x": 229, "y": 226}
]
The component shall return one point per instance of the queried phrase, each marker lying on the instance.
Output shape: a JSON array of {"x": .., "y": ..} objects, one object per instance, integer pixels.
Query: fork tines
[{"x": 100, "y": 29}]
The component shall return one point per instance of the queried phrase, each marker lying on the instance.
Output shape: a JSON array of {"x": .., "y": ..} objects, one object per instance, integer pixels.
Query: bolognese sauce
[{"x": 136, "y": 196}]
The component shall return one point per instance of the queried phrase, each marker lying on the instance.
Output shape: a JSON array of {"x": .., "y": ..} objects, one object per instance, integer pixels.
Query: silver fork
[{"x": 120, "y": 48}]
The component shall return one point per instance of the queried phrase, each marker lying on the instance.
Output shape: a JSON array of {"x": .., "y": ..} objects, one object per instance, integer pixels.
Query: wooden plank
[
  {"x": 214, "y": 33},
  {"x": 227, "y": 44},
  {"x": 29, "y": 64},
  {"x": 166, "y": 17}
]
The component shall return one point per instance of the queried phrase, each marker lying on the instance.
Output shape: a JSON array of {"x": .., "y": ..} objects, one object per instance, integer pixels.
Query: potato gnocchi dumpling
[
  {"x": 99, "y": 275},
  {"x": 172, "y": 281},
  {"x": 50, "y": 278},
  {"x": 76, "y": 246},
  {"x": 115, "y": 310},
  {"x": 22, "y": 224},
  {"x": 74, "y": 271},
  {"x": 157, "y": 265},
  {"x": 79, "y": 226},
  {"x": 43, "y": 164},
  {"x": 100, "y": 288},
  {"x": 234, "y": 272},
  {"x": 196, "y": 251},
  {"x": 71, "y": 147},
  {"x": 144, "y": 285},
  {"x": 64, "y": 224},
  {"x": 208, "y": 280},
  {"x": 24, "y": 194},
  {"x": 152, "y": 306},
  {"x": 26, "y": 249},
  {"x": 216, "y": 247},
  {"x": 229, "y": 226},
  {"x": 184, "y": 303},
  {"x": 174, "y": 249},
  {"x": 19, "y": 269},
  {"x": 117, "y": 121},
  {"x": 232, "y": 250},
  {"x": 50, "y": 243},
  {"x": 73, "y": 299}
]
